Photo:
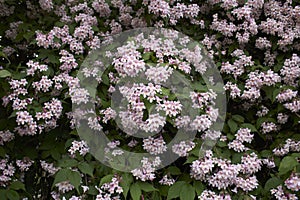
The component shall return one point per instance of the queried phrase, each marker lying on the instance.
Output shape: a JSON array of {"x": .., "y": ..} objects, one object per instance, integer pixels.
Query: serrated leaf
[
  {"x": 187, "y": 192},
  {"x": 86, "y": 168},
  {"x": 272, "y": 183},
  {"x": 3, "y": 194},
  {"x": 17, "y": 185},
  {"x": 67, "y": 163},
  {"x": 135, "y": 191},
  {"x": 75, "y": 179},
  {"x": 106, "y": 179},
  {"x": 2, "y": 152},
  {"x": 156, "y": 196},
  {"x": 4, "y": 73},
  {"x": 266, "y": 153},
  {"x": 55, "y": 153},
  {"x": 199, "y": 187},
  {"x": 287, "y": 164},
  {"x": 60, "y": 176},
  {"x": 146, "y": 56},
  {"x": 232, "y": 125},
  {"x": 238, "y": 118},
  {"x": 250, "y": 126},
  {"x": 12, "y": 195},
  {"x": 174, "y": 170},
  {"x": 147, "y": 187},
  {"x": 236, "y": 158},
  {"x": 275, "y": 93},
  {"x": 175, "y": 190},
  {"x": 125, "y": 183},
  {"x": 190, "y": 159}
]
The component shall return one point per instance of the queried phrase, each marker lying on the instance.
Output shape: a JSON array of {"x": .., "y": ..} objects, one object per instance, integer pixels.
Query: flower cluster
[
  {"x": 253, "y": 43},
  {"x": 80, "y": 146},
  {"x": 146, "y": 172},
  {"x": 221, "y": 173},
  {"x": 110, "y": 190}
]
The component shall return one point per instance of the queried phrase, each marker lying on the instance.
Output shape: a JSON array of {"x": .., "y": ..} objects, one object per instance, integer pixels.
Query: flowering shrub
[{"x": 255, "y": 46}]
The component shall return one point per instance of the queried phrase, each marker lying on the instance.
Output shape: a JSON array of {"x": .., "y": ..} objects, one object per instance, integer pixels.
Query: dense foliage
[{"x": 255, "y": 45}]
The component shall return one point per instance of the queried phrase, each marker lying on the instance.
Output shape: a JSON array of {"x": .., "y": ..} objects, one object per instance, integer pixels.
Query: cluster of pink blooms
[
  {"x": 264, "y": 111},
  {"x": 289, "y": 146},
  {"x": 49, "y": 167},
  {"x": 208, "y": 194},
  {"x": 294, "y": 106},
  {"x": 167, "y": 181},
  {"x": 272, "y": 27},
  {"x": 154, "y": 146},
  {"x": 291, "y": 70},
  {"x": 293, "y": 182},
  {"x": 24, "y": 164},
  {"x": 280, "y": 194},
  {"x": 268, "y": 127},
  {"x": 222, "y": 174},
  {"x": 242, "y": 135},
  {"x": 80, "y": 146},
  {"x": 6, "y": 136},
  {"x": 113, "y": 146},
  {"x": 201, "y": 100},
  {"x": 147, "y": 171},
  {"x": 183, "y": 148},
  {"x": 233, "y": 89},
  {"x": 256, "y": 80},
  {"x": 237, "y": 68},
  {"x": 34, "y": 66},
  {"x": 64, "y": 186},
  {"x": 7, "y": 172},
  {"x": 286, "y": 95},
  {"x": 110, "y": 190},
  {"x": 282, "y": 118}
]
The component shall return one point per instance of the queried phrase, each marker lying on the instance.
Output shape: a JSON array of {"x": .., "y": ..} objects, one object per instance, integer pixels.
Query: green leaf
[
  {"x": 266, "y": 153},
  {"x": 190, "y": 159},
  {"x": 2, "y": 152},
  {"x": 93, "y": 191},
  {"x": 106, "y": 179},
  {"x": 75, "y": 179},
  {"x": 55, "y": 153},
  {"x": 67, "y": 163},
  {"x": 127, "y": 179},
  {"x": 175, "y": 190},
  {"x": 287, "y": 164},
  {"x": 17, "y": 185},
  {"x": 147, "y": 187},
  {"x": 135, "y": 191},
  {"x": 232, "y": 125},
  {"x": 250, "y": 126},
  {"x": 12, "y": 195},
  {"x": 272, "y": 183},
  {"x": 4, "y": 56},
  {"x": 174, "y": 170},
  {"x": 3, "y": 194},
  {"x": 275, "y": 93},
  {"x": 199, "y": 187},
  {"x": 187, "y": 192},
  {"x": 165, "y": 91},
  {"x": 156, "y": 196},
  {"x": 236, "y": 158},
  {"x": 60, "y": 176},
  {"x": 238, "y": 118},
  {"x": 86, "y": 168},
  {"x": 4, "y": 73},
  {"x": 146, "y": 56},
  {"x": 269, "y": 92}
]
